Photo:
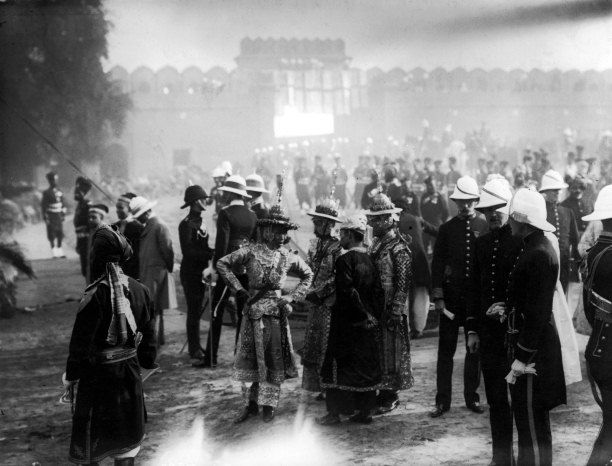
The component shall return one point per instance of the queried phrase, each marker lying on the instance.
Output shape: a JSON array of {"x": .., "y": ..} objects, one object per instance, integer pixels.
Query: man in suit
[
  {"x": 452, "y": 268},
  {"x": 155, "y": 257},
  {"x": 564, "y": 221},
  {"x": 131, "y": 229},
  {"x": 235, "y": 226},
  {"x": 495, "y": 255},
  {"x": 193, "y": 237},
  {"x": 537, "y": 382}
]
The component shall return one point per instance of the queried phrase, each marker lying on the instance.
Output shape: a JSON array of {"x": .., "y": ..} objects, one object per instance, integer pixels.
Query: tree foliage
[{"x": 51, "y": 73}]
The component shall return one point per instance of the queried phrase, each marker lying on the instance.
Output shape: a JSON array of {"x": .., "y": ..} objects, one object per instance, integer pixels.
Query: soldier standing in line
[
  {"x": 536, "y": 378},
  {"x": 598, "y": 309},
  {"x": 495, "y": 254},
  {"x": 322, "y": 254},
  {"x": 340, "y": 178},
  {"x": 235, "y": 226},
  {"x": 302, "y": 177},
  {"x": 193, "y": 238},
  {"x": 53, "y": 212},
  {"x": 564, "y": 222},
  {"x": 81, "y": 222},
  {"x": 393, "y": 261},
  {"x": 451, "y": 270},
  {"x": 131, "y": 229}
]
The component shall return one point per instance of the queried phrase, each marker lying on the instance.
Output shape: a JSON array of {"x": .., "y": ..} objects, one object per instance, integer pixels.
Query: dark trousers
[
  {"x": 602, "y": 449},
  {"x": 494, "y": 370},
  {"x": 194, "y": 296},
  {"x": 532, "y": 424},
  {"x": 347, "y": 402},
  {"x": 214, "y": 334},
  {"x": 82, "y": 249},
  {"x": 447, "y": 345}
]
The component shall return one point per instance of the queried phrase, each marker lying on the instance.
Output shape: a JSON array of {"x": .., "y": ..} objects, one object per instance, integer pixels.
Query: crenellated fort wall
[{"x": 204, "y": 115}]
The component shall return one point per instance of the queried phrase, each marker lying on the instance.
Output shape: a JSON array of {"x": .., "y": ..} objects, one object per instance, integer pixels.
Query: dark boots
[
  {"x": 268, "y": 413},
  {"x": 249, "y": 410}
]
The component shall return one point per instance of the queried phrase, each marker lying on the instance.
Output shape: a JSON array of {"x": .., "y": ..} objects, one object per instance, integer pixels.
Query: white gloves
[
  {"x": 519, "y": 368},
  {"x": 497, "y": 311}
]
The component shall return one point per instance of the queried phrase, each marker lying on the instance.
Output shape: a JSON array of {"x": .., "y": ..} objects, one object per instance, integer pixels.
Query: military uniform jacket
[
  {"x": 529, "y": 304},
  {"x": 453, "y": 261},
  {"x": 52, "y": 203},
  {"x": 564, "y": 221},
  {"x": 580, "y": 208},
  {"x": 434, "y": 208},
  {"x": 495, "y": 255},
  {"x": 235, "y": 226},
  {"x": 598, "y": 349},
  {"x": 81, "y": 218},
  {"x": 193, "y": 238}
]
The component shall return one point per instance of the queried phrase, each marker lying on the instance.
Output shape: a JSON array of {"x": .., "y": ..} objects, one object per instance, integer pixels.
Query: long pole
[{"x": 53, "y": 146}]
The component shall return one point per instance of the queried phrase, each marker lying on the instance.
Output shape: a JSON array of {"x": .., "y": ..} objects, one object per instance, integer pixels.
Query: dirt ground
[{"x": 191, "y": 410}]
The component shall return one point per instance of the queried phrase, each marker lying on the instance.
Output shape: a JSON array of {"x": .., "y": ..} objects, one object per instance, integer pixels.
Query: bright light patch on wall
[{"x": 294, "y": 124}]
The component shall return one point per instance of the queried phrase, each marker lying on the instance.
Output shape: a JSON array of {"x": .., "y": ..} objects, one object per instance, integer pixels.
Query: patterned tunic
[
  {"x": 394, "y": 265},
  {"x": 260, "y": 356},
  {"x": 322, "y": 256}
]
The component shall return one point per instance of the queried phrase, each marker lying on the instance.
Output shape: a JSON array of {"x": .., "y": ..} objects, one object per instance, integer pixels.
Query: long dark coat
[
  {"x": 530, "y": 295},
  {"x": 110, "y": 413},
  {"x": 352, "y": 359}
]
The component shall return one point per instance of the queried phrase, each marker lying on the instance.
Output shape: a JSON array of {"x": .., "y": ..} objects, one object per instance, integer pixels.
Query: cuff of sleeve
[
  {"x": 523, "y": 354},
  {"x": 437, "y": 293},
  {"x": 472, "y": 332}
]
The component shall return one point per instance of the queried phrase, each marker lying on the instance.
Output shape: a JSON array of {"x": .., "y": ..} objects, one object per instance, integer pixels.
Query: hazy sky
[{"x": 508, "y": 34}]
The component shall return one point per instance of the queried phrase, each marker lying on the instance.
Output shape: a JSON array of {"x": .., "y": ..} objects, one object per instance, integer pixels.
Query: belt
[
  {"x": 115, "y": 355},
  {"x": 600, "y": 303},
  {"x": 54, "y": 210},
  {"x": 82, "y": 235}
]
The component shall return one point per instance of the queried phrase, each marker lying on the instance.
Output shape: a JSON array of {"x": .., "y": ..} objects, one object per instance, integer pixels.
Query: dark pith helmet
[{"x": 193, "y": 193}]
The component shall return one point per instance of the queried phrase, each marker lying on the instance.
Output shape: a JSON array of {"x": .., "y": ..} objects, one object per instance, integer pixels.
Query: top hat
[{"x": 193, "y": 193}]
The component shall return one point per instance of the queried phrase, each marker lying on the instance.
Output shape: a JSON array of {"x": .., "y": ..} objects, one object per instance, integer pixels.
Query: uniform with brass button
[
  {"x": 452, "y": 266},
  {"x": 597, "y": 295}
]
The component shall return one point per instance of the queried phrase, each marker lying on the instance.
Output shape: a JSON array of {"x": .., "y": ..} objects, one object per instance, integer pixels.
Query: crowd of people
[{"x": 495, "y": 254}]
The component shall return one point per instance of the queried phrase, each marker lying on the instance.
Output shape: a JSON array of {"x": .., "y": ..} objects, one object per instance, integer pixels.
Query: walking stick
[{"x": 213, "y": 315}]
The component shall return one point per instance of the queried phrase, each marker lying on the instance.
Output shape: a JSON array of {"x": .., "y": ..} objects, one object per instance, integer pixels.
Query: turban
[{"x": 107, "y": 245}]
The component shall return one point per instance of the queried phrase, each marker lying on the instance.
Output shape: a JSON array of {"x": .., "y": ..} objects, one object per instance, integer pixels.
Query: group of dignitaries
[{"x": 496, "y": 268}]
